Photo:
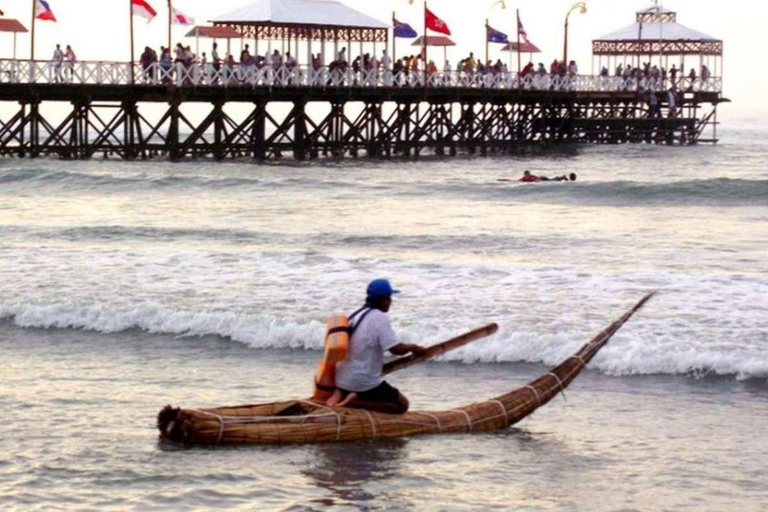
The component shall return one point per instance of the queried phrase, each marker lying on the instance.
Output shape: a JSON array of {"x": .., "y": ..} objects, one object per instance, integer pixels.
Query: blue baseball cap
[{"x": 380, "y": 288}]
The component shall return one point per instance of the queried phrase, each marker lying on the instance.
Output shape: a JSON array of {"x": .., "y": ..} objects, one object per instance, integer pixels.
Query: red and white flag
[
  {"x": 436, "y": 24},
  {"x": 521, "y": 31},
  {"x": 143, "y": 9},
  {"x": 179, "y": 18}
]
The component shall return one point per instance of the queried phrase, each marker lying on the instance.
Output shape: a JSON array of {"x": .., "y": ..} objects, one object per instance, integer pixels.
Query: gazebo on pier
[
  {"x": 656, "y": 37},
  {"x": 290, "y": 22},
  {"x": 436, "y": 42},
  {"x": 14, "y": 27}
]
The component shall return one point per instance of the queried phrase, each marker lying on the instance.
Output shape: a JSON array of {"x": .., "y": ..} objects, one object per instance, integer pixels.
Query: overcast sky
[{"x": 98, "y": 29}]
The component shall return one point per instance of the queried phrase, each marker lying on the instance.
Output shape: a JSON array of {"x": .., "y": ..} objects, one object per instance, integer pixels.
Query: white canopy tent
[
  {"x": 320, "y": 13},
  {"x": 310, "y": 21}
]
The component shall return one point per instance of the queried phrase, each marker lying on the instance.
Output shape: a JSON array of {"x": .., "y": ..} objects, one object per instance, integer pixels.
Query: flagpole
[
  {"x": 424, "y": 45},
  {"x": 170, "y": 15},
  {"x": 32, "y": 50},
  {"x": 487, "y": 26},
  {"x": 394, "y": 39},
  {"x": 518, "y": 45},
  {"x": 130, "y": 14}
]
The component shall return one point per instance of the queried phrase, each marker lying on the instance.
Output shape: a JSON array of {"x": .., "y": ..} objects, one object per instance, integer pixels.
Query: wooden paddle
[{"x": 440, "y": 349}]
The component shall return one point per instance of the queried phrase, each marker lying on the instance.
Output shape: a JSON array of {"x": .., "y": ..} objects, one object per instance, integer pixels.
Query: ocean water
[{"x": 125, "y": 286}]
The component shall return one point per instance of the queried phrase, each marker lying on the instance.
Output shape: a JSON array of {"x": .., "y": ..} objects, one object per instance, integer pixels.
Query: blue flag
[
  {"x": 494, "y": 36},
  {"x": 403, "y": 30}
]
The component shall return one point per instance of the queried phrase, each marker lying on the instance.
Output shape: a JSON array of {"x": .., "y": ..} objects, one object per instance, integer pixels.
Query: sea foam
[{"x": 634, "y": 351}]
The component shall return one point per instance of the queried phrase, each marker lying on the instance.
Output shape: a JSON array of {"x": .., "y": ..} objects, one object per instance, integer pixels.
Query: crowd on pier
[
  {"x": 182, "y": 66},
  {"x": 234, "y": 70}
]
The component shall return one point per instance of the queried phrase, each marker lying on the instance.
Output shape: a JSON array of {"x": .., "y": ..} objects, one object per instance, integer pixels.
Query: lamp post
[
  {"x": 582, "y": 8},
  {"x": 503, "y": 5}
]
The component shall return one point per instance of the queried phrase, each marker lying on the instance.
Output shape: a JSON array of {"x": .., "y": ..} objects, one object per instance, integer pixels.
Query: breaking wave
[{"x": 630, "y": 353}]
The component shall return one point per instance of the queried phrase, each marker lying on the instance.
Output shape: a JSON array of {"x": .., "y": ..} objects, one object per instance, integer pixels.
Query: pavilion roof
[
  {"x": 434, "y": 41},
  {"x": 656, "y": 32},
  {"x": 322, "y": 13},
  {"x": 523, "y": 48},
  {"x": 215, "y": 33},
  {"x": 10, "y": 25}
]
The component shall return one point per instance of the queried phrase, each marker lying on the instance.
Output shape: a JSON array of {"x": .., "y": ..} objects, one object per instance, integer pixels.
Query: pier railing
[{"x": 209, "y": 75}]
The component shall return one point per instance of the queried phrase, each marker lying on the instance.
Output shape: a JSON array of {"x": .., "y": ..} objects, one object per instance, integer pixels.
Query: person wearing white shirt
[
  {"x": 215, "y": 58},
  {"x": 277, "y": 60},
  {"x": 358, "y": 378},
  {"x": 58, "y": 58},
  {"x": 386, "y": 61},
  {"x": 386, "y": 65}
]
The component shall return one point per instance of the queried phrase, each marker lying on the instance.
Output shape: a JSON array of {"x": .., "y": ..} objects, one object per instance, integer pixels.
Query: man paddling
[{"x": 358, "y": 378}]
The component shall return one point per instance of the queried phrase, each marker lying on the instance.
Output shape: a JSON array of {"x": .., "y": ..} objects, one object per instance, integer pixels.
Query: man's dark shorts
[{"x": 381, "y": 393}]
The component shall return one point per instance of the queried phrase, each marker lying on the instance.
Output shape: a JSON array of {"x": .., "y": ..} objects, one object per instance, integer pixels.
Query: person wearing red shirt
[{"x": 529, "y": 178}]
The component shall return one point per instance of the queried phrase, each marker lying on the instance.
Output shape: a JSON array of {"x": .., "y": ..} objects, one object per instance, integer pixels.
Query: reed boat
[{"x": 308, "y": 421}]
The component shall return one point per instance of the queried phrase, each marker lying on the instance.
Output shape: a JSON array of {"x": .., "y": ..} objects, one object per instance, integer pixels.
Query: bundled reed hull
[{"x": 305, "y": 421}]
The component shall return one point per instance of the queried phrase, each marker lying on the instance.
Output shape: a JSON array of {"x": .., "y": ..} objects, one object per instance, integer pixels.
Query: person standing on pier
[
  {"x": 386, "y": 61},
  {"x": 58, "y": 58},
  {"x": 245, "y": 55},
  {"x": 704, "y": 74},
  {"x": 672, "y": 103},
  {"x": 146, "y": 63},
  {"x": 229, "y": 66},
  {"x": 276, "y": 60},
  {"x": 71, "y": 59},
  {"x": 386, "y": 66},
  {"x": 166, "y": 63},
  {"x": 215, "y": 57},
  {"x": 653, "y": 104},
  {"x": 341, "y": 60}
]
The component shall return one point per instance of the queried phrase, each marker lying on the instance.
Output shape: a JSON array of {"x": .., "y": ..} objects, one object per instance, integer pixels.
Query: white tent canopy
[
  {"x": 656, "y": 31},
  {"x": 301, "y": 12},
  {"x": 656, "y": 23}
]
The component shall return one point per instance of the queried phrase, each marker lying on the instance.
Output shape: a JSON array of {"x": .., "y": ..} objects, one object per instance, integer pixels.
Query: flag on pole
[
  {"x": 403, "y": 30},
  {"x": 43, "y": 11},
  {"x": 143, "y": 9},
  {"x": 179, "y": 18},
  {"x": 436, "y": 24},
  {"x": 521, "y": 31},
  {"x": 494, "y": 36}
]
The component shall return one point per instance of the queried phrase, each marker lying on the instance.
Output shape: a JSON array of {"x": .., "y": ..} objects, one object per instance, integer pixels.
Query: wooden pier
[{"x": 301, "y": 116}]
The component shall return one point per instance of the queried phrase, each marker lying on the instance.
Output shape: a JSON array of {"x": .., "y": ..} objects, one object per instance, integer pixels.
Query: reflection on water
[{"x": 345, "y": 469}]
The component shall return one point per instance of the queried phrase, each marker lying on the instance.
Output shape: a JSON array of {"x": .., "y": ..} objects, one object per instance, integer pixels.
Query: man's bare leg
[
  {"x": 351, "y": 398},
  {"x": 335, "y": 399}
]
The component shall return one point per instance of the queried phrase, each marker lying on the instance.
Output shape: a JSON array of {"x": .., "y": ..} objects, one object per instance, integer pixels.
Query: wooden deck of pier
[{"x": 148, "y": 121}]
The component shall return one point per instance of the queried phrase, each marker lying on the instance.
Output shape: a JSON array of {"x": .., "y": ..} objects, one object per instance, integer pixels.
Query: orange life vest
[
  {"x": 338, "y": 333},
  {"x": 336, "y": 348}
]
